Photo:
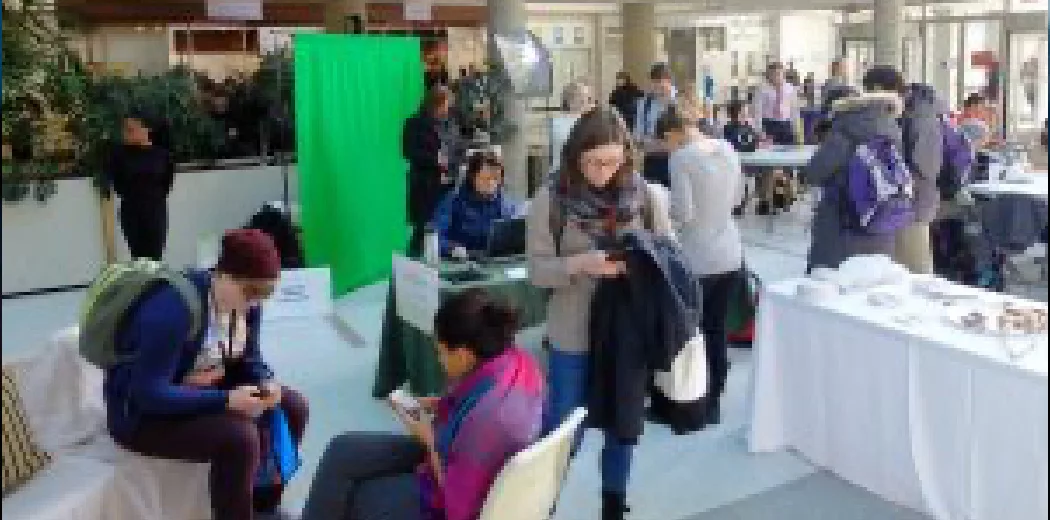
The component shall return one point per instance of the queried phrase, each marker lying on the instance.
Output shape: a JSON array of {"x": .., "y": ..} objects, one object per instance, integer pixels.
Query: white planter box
[{"x": 59, "y": 243}]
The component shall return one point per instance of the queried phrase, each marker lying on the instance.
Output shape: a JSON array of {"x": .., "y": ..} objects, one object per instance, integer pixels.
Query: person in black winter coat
[
  {"x": 141, "y": 173},
  {"x": 624, "y": 98},
  {"x": 427, "y": 162}
]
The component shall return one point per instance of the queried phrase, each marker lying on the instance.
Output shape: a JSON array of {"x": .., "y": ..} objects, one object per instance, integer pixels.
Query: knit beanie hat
[{"x": 249, "y": 254}]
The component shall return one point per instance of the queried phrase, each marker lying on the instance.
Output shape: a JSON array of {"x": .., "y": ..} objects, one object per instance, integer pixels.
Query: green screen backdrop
[{"x": 352, "y": 95}]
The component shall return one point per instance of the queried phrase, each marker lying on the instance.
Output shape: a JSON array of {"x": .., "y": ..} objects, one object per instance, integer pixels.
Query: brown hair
[
  {"x": 673, "y": 120},
  {"x": 598, "y": 127},
  {"x": 435, "y": 98}
]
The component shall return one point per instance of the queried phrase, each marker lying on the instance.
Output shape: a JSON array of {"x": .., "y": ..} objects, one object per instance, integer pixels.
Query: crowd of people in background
[{"x": 652, "y": 178}]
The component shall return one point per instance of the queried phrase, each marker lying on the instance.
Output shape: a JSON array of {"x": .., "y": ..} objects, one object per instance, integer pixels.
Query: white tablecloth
[
  {"x": 786, "y": 157},
  {"x": 926, "y": 416},
  {"x": 1037, "y": 188}
]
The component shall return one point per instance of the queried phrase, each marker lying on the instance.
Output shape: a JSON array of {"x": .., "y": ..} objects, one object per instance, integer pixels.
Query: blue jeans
[{"x": 568, "y": 384}]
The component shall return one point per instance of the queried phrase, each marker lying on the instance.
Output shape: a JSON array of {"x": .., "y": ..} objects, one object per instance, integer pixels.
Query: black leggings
[{"x": 717, "y": 289}]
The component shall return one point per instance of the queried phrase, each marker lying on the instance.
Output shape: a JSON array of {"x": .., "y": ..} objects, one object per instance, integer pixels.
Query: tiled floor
[{"x": 710, "y": 474}]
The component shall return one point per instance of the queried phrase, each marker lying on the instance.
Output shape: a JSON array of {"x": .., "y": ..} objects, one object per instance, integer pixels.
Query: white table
[
  {"x": 1036, "y": 188},
  {"x": 778, "y": 157},
  {"x": 928, "y": 417}
]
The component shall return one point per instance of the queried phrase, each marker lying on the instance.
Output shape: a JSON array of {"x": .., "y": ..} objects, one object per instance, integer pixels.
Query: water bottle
[{"x": 431, "y": 246}]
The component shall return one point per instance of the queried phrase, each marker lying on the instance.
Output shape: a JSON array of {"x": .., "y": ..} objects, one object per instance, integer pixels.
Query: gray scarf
[{"x": 601, "y": 213}]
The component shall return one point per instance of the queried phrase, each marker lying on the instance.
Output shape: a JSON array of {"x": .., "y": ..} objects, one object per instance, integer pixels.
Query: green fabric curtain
[{"x": 352, "y": 96}]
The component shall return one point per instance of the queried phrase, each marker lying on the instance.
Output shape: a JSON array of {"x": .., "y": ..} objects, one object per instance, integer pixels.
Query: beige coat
[{"x": 569, "y": 308}]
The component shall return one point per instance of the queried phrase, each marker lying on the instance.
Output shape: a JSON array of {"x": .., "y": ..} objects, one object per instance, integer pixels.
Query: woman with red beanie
[{"x": 199, "y": 400}]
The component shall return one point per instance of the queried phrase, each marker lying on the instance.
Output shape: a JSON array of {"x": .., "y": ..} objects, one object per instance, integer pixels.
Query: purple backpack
[
  {"x": 958, "y": 161},
  {"x": 878, "y": 192}
]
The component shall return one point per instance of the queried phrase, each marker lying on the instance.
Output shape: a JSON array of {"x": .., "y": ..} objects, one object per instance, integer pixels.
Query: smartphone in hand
[{"x": 406, "y": 403}]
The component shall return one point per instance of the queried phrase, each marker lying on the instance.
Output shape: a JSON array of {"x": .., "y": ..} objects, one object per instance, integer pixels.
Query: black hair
[
  {"x": 480, "y": 160},
  {"x": 476, "y": 321},
  {"x": 735, "y": 109},
  {"x": 672, "y": 120},
  {"x": 973, "y": 100},
  {"x": 883, "y": 78},
  {"x": 821, "y": 129}
]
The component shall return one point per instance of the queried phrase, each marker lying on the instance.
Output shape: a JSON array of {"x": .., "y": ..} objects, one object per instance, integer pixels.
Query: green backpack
[{"x": 114, "y": 294}]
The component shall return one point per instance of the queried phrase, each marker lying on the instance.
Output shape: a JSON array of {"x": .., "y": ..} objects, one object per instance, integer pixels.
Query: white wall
[
  {"x": 59, "y": 243},
  {"x": 54, "y": 244}
]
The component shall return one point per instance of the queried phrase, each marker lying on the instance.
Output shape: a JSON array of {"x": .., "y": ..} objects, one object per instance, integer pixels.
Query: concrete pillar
[
  {"x": 889, "y": 26},
  {"x": 638, "y": 21},
  {"x": 508, "y": 16},
  {"x": 337, "y": 14}
]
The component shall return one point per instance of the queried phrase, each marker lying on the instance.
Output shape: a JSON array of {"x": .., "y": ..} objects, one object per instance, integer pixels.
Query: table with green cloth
[{"x": 406, "y": 354}]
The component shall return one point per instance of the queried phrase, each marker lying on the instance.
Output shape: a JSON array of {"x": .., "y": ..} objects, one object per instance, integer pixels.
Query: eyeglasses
[{"x": 607, "y": 164}]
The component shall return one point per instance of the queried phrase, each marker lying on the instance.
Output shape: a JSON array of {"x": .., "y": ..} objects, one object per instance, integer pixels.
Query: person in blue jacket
[
  {"x": 201, "y": 399},
  {"x": 464, "y": 218}
]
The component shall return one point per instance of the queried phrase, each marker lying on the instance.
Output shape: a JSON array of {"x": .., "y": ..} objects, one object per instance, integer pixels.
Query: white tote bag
[{"x": 687, "y": 379}]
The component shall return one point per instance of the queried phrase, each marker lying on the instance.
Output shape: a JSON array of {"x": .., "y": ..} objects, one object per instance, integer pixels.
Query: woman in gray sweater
[
  {"x": 706, "y": 184},
  {"x": 572, "y": 232}
]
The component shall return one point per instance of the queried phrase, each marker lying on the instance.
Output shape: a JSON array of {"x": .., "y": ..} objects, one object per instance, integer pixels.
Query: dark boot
[
  {"x": 614, "y": 505},
  {"x": 712, "y": 412},
  {"x": 762, "y": 208}
]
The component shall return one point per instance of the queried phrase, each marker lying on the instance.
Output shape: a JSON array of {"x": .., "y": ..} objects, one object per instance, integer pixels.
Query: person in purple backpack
[
  {"x": 924, "y": 142},
  {"x": 864, "y": 119}
]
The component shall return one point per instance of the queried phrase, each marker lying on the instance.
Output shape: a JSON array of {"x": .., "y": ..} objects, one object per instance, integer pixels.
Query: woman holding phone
[
  {"x": 573, "y": 242},
  {"x": 441, "y": 470}
]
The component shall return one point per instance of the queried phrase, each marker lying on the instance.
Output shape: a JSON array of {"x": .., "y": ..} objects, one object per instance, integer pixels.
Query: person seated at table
[
  {"x": 441, "y": 469},
  {"x": 975, "y": 121},
  {"x": 855, "y": 121},
  {"x": 739, "y": 133},
  {"x": 199, "y": 400},
  {"x": 464, "y": 218}
]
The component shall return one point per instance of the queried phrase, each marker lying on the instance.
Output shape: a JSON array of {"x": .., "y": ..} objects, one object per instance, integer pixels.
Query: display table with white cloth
[
  {"x": 1034, "y": 187},
  {"x": 921, "y": 413},
  {"x": 778, "y": 157}
]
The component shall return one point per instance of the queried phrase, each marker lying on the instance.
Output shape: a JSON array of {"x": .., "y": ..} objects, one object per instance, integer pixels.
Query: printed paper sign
[
  {"x": 417, "y": 293},
  {"x": 301, "y": 293}
]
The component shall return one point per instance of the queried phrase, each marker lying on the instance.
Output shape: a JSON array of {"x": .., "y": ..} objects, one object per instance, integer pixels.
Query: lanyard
[{"x": 225, "y": 347}]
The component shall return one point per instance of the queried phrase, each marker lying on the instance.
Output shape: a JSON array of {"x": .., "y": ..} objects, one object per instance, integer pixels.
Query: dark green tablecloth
[{"x": 407, "y": 353}]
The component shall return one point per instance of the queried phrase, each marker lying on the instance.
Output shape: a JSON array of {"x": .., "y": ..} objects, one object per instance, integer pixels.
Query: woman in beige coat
[{"x": 573, "y": 226}]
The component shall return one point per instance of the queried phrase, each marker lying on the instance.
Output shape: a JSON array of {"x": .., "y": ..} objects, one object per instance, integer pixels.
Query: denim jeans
[
  {"x": 568, "y": 384},
  {"x": 367, "y": 476}
]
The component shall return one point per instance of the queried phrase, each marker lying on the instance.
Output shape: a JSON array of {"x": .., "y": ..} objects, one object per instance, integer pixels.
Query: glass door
[
  {"x": 859, "y": 54},
  {"x": 943, "y": 58},
  {"x": 1026, "y": 103}
]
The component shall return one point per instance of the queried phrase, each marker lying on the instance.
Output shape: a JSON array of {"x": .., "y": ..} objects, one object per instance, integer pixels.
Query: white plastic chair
[{"x": 528, "y": 485}]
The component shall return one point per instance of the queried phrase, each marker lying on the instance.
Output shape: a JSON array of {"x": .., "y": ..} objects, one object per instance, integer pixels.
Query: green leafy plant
[{"x": 42, "y": 96}]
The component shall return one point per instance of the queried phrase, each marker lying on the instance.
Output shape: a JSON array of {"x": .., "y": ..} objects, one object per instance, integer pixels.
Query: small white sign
[
  {"x": 419, "y": 10},
  {"x": 208, "y": 251},
  {"x": 417, "y": 293},
  {"x": 235, "y": 9},
  {"x": 301, "y": 293}
]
